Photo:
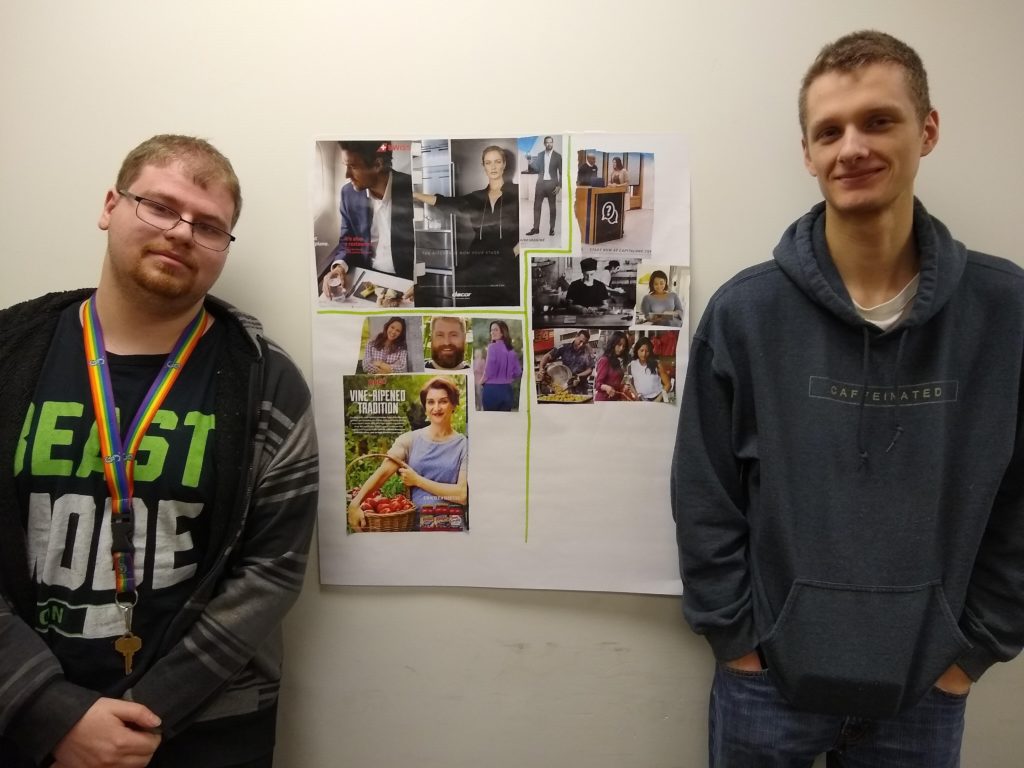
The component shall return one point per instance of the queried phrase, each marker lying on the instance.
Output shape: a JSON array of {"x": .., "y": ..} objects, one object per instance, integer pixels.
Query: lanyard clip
[{"x": 127, "y": 609}]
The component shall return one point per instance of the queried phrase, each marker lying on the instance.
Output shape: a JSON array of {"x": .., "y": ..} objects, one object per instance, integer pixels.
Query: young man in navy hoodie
[{"x": 848, "y": 479}]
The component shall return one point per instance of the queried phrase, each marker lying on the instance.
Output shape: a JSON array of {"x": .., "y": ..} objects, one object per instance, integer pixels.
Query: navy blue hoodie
[{"x": 848, "y": 501}]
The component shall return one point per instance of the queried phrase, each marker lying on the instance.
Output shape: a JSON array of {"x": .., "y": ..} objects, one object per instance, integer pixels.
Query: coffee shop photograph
[{"x": 614, "y": 201}]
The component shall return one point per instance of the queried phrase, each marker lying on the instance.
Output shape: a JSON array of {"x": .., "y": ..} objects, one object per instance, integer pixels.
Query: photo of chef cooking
[
  {"x": 581, "y": 365},
  {"x": 565, "y": 359},
  {"x": 583, "y": 292}
]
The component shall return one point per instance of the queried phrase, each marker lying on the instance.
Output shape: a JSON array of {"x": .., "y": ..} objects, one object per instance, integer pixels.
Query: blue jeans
[
  {"x": 750, "y": 725},
  {"x": 498, "y": 397}
]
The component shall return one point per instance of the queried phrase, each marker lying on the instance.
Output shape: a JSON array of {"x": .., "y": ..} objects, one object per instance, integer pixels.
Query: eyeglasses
[{"x": 160, "y": 216}]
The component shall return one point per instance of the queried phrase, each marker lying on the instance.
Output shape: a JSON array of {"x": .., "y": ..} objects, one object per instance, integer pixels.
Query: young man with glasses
[
  {"x": 158, "y": 483},
  {"x": 848, "y": 480}
]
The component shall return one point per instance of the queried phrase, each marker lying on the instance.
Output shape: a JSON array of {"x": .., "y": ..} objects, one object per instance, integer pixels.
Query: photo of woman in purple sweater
[{"x": 502, "y": 370}]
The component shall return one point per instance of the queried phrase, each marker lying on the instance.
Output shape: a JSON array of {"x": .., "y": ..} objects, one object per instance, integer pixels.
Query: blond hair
[{"x": 206, "y": 164}]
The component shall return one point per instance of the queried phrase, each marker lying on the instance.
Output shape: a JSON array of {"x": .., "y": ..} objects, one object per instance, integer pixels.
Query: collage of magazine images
[{"x": 428, "y": 242}]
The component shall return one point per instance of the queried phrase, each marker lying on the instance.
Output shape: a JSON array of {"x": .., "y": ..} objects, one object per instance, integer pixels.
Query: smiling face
[
  {"x": 394, "y": 330},
  {"x": 447, "y": 342},
  {"x": 659, "y": 285},
  {"x": 580, "y": 341},
  {"x": 439, "y": 406},
  {"x": 164, "y": 268},
  {"x": 496, "y": 334},
  {"x": 642, "y": 353},
  {"x": 494, "y": 164},
  {"x": 864, "y": 141}
]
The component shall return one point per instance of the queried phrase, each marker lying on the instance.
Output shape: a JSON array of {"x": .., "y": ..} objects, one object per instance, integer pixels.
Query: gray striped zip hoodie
[{"x": 221, "y": 655}]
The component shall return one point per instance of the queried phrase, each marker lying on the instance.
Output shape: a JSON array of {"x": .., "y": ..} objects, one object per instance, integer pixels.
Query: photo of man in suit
[
  {"x": 376, "y": 217},
  {"x": 548, "y": 167}
]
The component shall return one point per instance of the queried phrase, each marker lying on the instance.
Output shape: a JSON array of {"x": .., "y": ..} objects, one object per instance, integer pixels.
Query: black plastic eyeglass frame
[{"x": 139, "y": 199}]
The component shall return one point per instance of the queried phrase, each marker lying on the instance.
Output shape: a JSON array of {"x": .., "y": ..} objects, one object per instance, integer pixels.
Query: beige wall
[{"x": 460, "y": 678}]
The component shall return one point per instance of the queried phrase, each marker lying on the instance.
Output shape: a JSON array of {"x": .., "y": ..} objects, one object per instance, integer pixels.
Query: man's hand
[
  {"x": 954, "y": 680},
  {"x": 336, "y": 272},
  {"x": 110, "y": 735},
  {"x": 749, "y": 663}
]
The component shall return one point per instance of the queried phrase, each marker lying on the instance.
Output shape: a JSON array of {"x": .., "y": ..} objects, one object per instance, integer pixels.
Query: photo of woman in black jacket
[{"x": 487, "y": 271}]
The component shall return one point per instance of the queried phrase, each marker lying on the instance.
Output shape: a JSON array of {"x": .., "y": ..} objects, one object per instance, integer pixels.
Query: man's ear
[
  {"x": 930, "y": 132},
  {"x": 108, "y": 207}
]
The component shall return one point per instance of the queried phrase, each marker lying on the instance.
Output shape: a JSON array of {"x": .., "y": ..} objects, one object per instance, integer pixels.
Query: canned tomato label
[{"x": 442, "y": 517}]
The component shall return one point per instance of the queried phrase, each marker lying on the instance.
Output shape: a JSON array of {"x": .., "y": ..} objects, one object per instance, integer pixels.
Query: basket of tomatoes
[{"x": 389, "y": 508}]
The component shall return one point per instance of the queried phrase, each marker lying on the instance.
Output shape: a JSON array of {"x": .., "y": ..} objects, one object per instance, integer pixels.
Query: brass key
[{"x": 128, "y": 645}]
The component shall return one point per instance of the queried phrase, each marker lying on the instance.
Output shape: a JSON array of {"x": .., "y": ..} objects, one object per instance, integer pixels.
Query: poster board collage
[{"x": 475, "y": 301}]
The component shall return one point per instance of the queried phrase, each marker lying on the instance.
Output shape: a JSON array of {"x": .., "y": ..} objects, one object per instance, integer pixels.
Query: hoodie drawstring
[
  {"x": 861, "y": 450},
  {"x": 897, "y": 428}
]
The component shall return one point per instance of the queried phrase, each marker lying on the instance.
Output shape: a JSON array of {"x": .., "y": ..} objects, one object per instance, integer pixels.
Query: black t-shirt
[
  {"x": 65, "y": 501},
  {"x": 587, "y": 295}
]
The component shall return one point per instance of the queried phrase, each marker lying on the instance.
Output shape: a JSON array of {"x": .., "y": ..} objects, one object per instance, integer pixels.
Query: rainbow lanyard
[{"x": 118, "y": 462}]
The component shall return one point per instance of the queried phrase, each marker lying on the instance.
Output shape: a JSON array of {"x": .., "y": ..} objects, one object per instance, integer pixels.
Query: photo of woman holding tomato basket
[{"x": 431, "y": 463}]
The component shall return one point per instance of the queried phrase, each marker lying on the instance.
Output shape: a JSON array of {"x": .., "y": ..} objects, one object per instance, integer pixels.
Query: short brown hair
[
  {"x": 206, "y": 164},
  {"x": 439, "y": 382},
  {"x": 861, "y": 49},
  {"x": 458, "y": 320}
]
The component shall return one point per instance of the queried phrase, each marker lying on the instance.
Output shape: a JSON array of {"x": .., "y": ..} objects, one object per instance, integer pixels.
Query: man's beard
[
  {"x": 147, "y": 281},
  {"x": 161, "y": 284},
  {"x": 448, "y": 356}
]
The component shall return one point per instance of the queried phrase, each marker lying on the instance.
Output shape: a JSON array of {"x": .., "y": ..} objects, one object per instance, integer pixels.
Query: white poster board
[{"x": 561, "y": 495}]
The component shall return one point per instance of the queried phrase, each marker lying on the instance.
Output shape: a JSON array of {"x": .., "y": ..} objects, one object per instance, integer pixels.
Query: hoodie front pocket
[{"x": 861, "y": 651}]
